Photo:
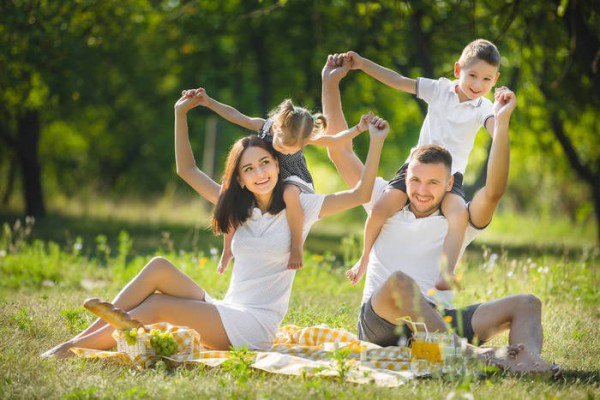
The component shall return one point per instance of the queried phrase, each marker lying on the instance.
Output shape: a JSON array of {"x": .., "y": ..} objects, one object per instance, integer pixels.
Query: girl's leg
[
  {"x": 295, "y": 218},
  {"x": 455, "y": 210},
  {"x": 391, "y": 202},
  {"x": 158, "y": 275},
  {"x": 226, "y": 255},
  {"x": 196, "y": 314}
]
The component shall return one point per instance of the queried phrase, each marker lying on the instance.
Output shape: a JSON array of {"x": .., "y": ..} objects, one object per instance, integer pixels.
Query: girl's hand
[{"x": 365, "y": 119}]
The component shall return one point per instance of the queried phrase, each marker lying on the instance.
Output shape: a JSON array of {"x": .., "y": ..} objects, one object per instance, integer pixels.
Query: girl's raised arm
[
  {"x": 184, "y": 157},
  {"x": 361, "y": 193},
  {"x": 226, "y": 111}
]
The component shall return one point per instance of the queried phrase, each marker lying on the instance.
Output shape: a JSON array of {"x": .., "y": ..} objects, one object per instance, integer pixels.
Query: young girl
[
  {"x": 250, "y": 200},
  {"x": 289, "y": 128}
]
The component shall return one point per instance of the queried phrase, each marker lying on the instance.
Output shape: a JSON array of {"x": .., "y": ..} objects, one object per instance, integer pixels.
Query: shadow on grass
[
  {"x": 148, "y": 237},
  {"x": 570, "y": 377}
]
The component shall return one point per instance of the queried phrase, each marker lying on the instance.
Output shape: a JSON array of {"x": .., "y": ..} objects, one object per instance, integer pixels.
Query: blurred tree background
[{"x": 87, "y": 89}]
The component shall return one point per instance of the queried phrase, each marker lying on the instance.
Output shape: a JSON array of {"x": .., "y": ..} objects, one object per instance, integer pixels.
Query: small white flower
[
  {"x": 509, "y": 274},
  {"x": 213, "y": 251},
  {"x": 2, "y": 253},
  {"x": 78, "y": 246}
]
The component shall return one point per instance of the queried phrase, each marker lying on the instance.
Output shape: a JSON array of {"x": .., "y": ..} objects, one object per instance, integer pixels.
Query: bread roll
[{"x": 115, "y": 317}]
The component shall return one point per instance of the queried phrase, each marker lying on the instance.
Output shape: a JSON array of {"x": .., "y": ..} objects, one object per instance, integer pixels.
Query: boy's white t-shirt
[
  {"x": 411, "y": 245},
  {"x": 260, "y": 287},
  {"x": 449, "y": 122}
]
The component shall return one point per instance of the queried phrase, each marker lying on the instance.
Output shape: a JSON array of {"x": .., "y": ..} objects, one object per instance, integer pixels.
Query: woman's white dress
[{"x": 261, "y": 285}]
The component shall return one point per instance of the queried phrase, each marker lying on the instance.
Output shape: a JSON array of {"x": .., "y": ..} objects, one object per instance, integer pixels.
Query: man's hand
[
  {"x": 505, "y": 102},
  {"x": 335, "y": 69}
]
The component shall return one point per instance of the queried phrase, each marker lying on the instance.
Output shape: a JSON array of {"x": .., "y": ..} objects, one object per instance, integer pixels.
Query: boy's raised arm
[{"x": 382, "y": 74}]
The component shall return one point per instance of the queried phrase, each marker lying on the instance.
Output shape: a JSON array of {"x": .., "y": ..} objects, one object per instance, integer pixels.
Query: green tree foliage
[{"x": 98, "y": 80}]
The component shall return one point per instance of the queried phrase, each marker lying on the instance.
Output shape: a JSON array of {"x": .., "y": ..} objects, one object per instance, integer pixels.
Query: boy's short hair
[
  {"x": 479, "y": 49},
  {"x": 432, "y": 154}
]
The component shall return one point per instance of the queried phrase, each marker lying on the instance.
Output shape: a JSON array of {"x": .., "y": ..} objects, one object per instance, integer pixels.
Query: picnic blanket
[{"x": 304, "y": 351}]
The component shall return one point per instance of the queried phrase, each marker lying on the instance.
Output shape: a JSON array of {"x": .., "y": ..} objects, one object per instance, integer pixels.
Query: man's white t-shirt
[
  {"x": 411, "y": 245},
  {"x": 449, "y": 122}
]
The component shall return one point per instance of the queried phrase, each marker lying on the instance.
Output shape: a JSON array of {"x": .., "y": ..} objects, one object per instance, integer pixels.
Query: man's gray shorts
[{"x": 372, "y": 328}]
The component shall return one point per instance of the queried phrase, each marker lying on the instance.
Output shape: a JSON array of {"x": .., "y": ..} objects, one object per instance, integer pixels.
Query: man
[{"x": 399, "y": 279}]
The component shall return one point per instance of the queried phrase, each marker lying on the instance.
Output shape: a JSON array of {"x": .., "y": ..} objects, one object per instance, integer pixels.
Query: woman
[{"x": 250, "y": 201}]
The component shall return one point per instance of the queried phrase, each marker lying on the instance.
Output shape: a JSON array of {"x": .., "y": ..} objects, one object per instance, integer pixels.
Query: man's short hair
[{"x": 432, "y": 154}]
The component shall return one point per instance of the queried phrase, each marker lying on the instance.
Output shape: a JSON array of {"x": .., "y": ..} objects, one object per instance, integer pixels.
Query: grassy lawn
[{"x": 66, "y": 259}]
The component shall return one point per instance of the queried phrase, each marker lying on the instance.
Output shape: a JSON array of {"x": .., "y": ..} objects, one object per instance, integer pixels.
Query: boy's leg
[
  {"x": 227, "y": 254},
  {"x": 295, "y": 218},
  {"x": 455, "y": 210},
  {"x": 389, "y": 203}
]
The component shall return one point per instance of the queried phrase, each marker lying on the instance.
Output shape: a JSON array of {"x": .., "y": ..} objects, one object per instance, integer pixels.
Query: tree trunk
[
  {"x": 26, "y": 146},
  {"x": 596, "y": 198}
]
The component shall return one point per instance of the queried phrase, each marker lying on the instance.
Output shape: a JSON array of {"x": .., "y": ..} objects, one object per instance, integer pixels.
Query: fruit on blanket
[
  {"x": 132, "y": 335},
  {"x": 163, "y": 343},
  {"x": 115, "y": 317}
]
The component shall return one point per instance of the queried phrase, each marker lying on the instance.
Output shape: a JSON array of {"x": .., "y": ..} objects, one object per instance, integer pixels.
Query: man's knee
[
  {"x": 530, "y": 302},
  {"x": 401, "y": 283}
]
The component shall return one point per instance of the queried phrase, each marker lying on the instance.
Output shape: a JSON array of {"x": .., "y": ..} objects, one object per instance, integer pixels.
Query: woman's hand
[
  {"x": 192, "y": 98},
  {"x": 378, "y": 128}
]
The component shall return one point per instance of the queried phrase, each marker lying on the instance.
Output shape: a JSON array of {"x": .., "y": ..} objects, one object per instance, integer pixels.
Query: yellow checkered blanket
[{"x": 307, "y": 351}]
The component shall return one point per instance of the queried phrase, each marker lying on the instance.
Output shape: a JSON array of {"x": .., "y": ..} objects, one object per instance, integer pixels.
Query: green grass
[{"x": 44, "y": 283}]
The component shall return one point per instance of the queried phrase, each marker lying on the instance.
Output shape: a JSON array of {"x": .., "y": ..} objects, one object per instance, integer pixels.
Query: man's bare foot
[
  {"x": 516, "y": 359},
  {"x": 356, "y": 273},
  {"x": 224, "y": 262},
  {"x": 59, "y": 351},
  {"x": 296, "y": 258}
]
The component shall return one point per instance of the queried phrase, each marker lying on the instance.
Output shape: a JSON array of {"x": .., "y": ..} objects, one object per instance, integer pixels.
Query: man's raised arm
[
  {"x": 343, "y": 157},
  {"x": 483, "y": 205}
]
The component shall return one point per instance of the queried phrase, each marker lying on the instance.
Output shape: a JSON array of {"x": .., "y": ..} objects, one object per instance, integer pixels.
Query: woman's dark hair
[{"x": 235, "y": 204}]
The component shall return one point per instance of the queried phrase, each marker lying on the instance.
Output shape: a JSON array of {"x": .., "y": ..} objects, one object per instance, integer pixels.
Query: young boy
[{"x": 457, "y": 109}]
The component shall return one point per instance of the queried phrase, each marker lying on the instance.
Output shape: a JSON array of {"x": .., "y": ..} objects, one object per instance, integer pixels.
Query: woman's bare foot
[{"x": 59, "y": 351}]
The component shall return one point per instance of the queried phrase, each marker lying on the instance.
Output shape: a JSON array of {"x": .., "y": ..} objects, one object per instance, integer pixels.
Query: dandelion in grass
[
  {"x": 202, "y": 263},
  {"x": 318, "y": 257}
]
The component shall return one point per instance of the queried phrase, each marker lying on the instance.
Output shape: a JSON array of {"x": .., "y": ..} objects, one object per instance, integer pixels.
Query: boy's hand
[
  {"x": 334, "y": 68},
  {"x": 354, "y": 59},
  {"x": 505, "y": 102}
]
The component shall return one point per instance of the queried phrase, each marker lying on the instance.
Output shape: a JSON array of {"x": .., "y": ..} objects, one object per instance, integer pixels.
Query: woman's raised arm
[
  {"x": 361, "y": 193},
  {"x": 184, "y": 157}
]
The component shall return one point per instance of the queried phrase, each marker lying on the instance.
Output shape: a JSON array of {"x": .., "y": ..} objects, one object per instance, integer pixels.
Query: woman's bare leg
[
  {"x": 158, "y": 275},
  {"x": 193, "y": 313}
]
